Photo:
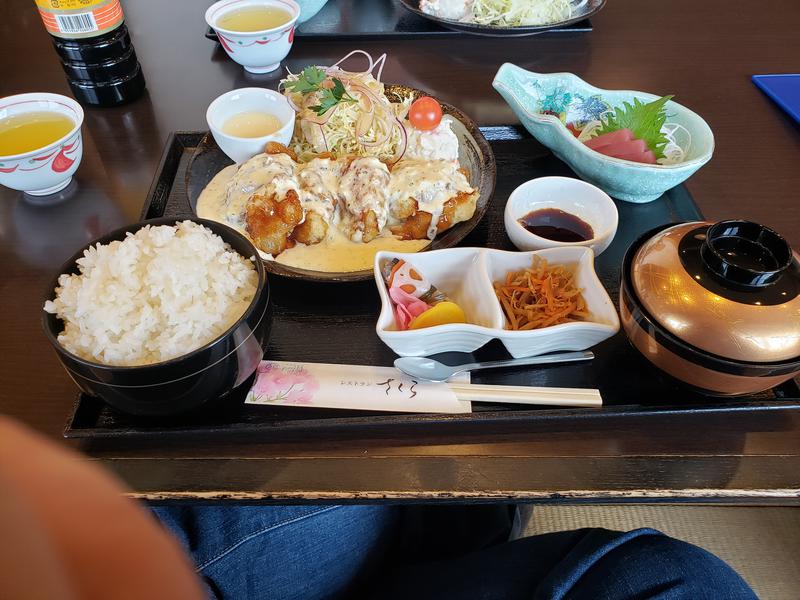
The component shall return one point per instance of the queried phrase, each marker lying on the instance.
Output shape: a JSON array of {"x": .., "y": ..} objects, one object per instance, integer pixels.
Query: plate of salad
[
  {"x": 504, "y": 17},
  {"x": 371, "y": 166}
]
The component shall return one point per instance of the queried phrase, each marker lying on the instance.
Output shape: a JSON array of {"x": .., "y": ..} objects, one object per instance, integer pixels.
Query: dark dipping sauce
[{"x": 557, "y": 225}]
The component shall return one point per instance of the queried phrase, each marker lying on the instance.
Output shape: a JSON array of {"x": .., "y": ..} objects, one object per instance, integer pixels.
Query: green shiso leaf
[{"x": 645, "y": 120}]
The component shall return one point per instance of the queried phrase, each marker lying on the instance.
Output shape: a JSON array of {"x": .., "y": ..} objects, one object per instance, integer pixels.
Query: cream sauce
[
  {"x": 336, "y": 253},
  {"x": 214, "y": 202},
  {"x": 319, "y": 183}
]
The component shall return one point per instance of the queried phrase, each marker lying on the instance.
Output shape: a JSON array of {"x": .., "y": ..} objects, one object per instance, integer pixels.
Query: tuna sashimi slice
[
  {"x": 647, "y": 157},
  {"x": 615, "y": 137},
  {"x": 630, "y": 147}
]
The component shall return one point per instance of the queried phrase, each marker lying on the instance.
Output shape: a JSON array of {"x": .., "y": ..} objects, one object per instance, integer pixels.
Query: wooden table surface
[{"x": 703, "y": 52}]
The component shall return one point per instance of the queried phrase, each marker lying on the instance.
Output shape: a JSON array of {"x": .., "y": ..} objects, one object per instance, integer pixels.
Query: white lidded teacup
[
  {"x": 246, "y": 100},
  {"x": 49, "y": 168},
  {"x": 257, "y": 51}
]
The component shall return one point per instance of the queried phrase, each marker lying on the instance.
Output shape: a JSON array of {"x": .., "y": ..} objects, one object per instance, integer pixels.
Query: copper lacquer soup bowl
[{"x": 716, "y": 306}]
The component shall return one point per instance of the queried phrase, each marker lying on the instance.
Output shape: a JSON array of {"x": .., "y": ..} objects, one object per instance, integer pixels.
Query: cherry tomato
[{"x": 425, "y": 114}]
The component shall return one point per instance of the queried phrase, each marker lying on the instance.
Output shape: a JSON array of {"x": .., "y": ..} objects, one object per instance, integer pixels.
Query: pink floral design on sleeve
[{"x": 294, "y": 385}]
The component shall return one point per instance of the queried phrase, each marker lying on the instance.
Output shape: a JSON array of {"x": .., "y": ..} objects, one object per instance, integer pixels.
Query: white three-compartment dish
[{"x": 467, "y": 275}]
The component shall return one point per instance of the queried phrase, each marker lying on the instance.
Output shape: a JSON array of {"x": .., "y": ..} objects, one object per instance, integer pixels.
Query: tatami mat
[{"x": 762, "y": 544}]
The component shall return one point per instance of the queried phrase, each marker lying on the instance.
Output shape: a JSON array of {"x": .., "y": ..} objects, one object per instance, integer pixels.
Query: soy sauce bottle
[{"x": 95, "y": 48}]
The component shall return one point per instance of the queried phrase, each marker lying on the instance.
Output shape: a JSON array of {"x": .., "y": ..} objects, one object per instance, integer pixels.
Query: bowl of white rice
[{"x": 161, "y": 317}]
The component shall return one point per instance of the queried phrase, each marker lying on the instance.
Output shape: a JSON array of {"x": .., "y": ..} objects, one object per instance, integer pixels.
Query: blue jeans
[
  {"x": 321, "y": 552},
  {"x": 282, "y": 552}
]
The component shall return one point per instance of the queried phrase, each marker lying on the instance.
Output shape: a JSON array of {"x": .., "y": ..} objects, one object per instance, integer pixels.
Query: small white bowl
[
  {"x": 584, "y": 200},
  {"x": 48, "y": 169},
  {"x": 240, "y": 149},
  {"x": 256, "y": 51},
  {"x": 466, "y": 275}
]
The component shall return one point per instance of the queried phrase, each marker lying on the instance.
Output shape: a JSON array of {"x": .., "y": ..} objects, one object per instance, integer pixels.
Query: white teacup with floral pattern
[
  {"x": 256, "y": 51},
  {"x": 48, "y": 169}
]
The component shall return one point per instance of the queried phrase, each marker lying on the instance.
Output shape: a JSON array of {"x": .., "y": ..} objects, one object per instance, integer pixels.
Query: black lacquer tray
[
  {"x": 375, "y": 19},
  {"x": 335, "y": 323}
]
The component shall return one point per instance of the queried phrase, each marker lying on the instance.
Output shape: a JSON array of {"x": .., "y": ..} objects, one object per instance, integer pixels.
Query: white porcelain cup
[
  {"x": 239, "y": 149},
  {"x": 256, "y": 51},
  {"x": 48, "y": 169},
  {"x": 579, "y": 198}
]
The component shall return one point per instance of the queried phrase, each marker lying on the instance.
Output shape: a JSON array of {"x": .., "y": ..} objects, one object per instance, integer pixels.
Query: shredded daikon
[{"x": 678, "y": 145}]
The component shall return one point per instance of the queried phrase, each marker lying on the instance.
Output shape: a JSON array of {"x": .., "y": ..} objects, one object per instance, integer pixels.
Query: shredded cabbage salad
[
  {"x": 364, "y": 123},
  {"x": 517, "y": 13}
]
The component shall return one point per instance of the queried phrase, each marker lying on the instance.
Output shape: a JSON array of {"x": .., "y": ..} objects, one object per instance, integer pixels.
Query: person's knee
[
  {"x": 670, "y": 554},
  {"x": 655, "y": 563}
]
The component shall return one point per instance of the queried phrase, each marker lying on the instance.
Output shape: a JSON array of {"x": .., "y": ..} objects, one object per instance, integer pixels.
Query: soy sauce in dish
[{"x": 557, "y": 225}]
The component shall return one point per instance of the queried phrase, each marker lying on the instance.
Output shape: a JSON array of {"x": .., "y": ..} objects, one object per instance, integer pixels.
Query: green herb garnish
[
  {"x": 332, "y": 96},
  {"x": 313, "y": 79},
  {"x": 645, "y": 120},
  {"x": 308, "y": 81}
]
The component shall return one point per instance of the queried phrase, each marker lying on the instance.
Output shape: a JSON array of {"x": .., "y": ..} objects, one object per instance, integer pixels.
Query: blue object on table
[
  {"x": 309, "y": 8},
  {"x": 784, "y": 89}
]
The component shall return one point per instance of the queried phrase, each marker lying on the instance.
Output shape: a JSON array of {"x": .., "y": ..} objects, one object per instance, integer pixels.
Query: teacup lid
[{"x": 731, "y": 289}]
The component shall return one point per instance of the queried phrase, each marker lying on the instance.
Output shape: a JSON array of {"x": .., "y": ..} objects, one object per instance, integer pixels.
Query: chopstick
[{"x": 514, "y": 394}]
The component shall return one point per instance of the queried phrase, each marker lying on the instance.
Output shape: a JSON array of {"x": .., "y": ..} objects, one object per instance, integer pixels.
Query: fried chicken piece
[
  {"x": 459, "y": 208},
  {"x": 455, "y": 210},
  {"x": 269, "y": 222},
  {"x": 414, "y": 227},
  {"x": 311, "y": 231},
  {"x": 362, "y": 190},
  {"x": 363, "y": 227},
  {"x": 402, "y": 209},
  {"x": 370, "y": 228},
  {"x": 446, "y": 218},
  {"x": 319, "y": 192},
  {"x": 278, "y": 148}
]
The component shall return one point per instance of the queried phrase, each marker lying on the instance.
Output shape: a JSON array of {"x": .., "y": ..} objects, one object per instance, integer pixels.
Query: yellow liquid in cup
[
  {"x": 251, "y": 124},
  {"x": 254, "y": 18},
  {"x": 32, "y": 130}
]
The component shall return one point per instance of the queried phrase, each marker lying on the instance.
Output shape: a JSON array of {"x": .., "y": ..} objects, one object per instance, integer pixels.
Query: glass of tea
[
  {"x": 40, "y": 142},
  {"x": 257, "y": 34}
]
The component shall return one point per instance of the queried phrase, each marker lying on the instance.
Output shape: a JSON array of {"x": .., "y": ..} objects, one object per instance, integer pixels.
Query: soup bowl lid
[{"x": 731, "y": 289}]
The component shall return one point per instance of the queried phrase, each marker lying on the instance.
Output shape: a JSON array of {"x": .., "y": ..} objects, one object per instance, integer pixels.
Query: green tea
[
  {"x": 254, "y": 18},
  {"x": 32, "y": 130}
]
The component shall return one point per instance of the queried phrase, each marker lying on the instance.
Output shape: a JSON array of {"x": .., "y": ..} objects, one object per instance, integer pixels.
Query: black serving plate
[
  {"x": 373, "y": 19},
  {"x": 586, "y": 10},
  {"x": 315, "y": 322},
  {"x": 475, "y": 155}
]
